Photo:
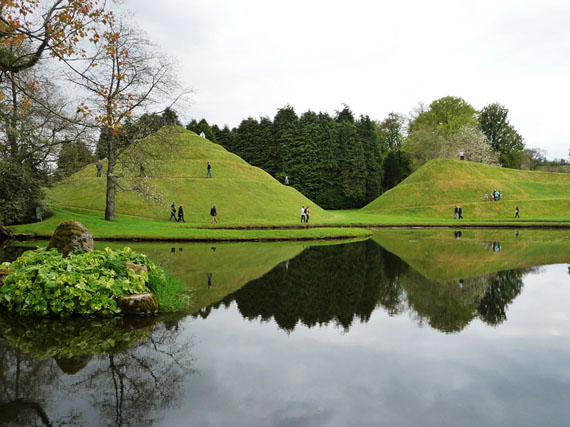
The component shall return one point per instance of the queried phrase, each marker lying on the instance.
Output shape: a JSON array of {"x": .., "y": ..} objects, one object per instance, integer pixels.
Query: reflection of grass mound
[
  {"x": 242, "y": 193},
  {"x": 435, "y": 188},
  {"x": 232, "y": 265},
  {"x": 72, "y": 338},
  {"x": 437, "y": 255}
]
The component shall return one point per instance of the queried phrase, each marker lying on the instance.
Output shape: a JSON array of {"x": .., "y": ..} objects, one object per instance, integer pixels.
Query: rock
[
  {"x": 137, "y": 268},
  {"x": 5, "y": 233},
  {"x": 143, "y": 303},
  {"x": 73, "y": 365},
  {"x": 70, "y": 236}
]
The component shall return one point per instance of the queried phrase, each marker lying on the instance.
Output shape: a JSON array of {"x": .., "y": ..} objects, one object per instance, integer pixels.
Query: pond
[{"x": 410, "y": 327}]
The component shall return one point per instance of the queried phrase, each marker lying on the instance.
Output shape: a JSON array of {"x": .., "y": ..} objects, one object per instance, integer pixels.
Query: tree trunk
[{"x": 111, "y": 180}]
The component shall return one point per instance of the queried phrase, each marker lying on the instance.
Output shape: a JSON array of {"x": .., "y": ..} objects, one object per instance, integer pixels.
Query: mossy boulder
[
  {"x": 143, "y": 303},
  {"x": 70, "y": 236}
]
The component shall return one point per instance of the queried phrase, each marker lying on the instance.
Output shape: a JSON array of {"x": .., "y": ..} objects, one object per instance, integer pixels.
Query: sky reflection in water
[{"x": 339, "y": 335}]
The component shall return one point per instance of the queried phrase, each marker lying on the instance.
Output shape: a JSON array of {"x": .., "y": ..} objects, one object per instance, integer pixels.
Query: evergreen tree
[
  {"x": 285, "y": 146},
  {"x": 328, "y": 166},
  {"x": 307, "y": 173},
  {"x": 369, "y": 137},
  {"x": 396, "y": 167},
  {"x": 203, "y": 126},
  {"x": 72, "y": 157},
  {"x": 170, "y": 117}
]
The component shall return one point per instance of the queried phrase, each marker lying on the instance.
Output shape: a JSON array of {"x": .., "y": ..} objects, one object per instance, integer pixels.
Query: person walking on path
[
  {"x": 172, "y": 212},
  {"x": 302, "y": 213},
  {"x": 181, "y": 213},
  {"x": 214, "y": 214},
  {"x": 307, "y": 214},
  {"x": 209, "y": 170},
  {"x": 460, "y": 212},
  {"x": 517, "y": 212},
  {"x": 455, "y": 212},
  {"x": 99, "y": 167}
]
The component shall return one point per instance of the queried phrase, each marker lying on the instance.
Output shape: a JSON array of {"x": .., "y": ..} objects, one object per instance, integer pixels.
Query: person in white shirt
[{"x": 303, "y": 214}]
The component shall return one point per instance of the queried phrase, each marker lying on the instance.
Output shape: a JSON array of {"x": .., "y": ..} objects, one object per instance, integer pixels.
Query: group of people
[
  {"x": 458, "y": 212},
  {"x": 180, "y": 218},
  {"x": 305, "y": 213},
  {"x": 493, "y": 196}
]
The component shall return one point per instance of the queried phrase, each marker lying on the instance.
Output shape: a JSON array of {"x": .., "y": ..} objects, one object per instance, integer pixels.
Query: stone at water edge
[
  {"x": 137, "y": 268},
  {"x": 143, "y": 303},
  {"x": 70, "y": 236}
]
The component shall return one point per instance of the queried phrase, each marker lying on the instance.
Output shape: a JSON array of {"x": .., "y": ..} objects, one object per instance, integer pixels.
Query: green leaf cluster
[{"x": 84, "y": 283}]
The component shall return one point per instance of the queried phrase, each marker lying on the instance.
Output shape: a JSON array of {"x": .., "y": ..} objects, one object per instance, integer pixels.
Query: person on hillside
[
  {"x": 143, "y": 173},
  {"x": 307, "y": 214},
  {"x": 461, "y": 155},
  {"x": 517, "y": 212},
  {"x": 303, "y": 213},
  {"x": 202, "y": 134},
  {"x": 209, "y": 170},
  {"x": 491, "y": 197},
  {"x": 455, "y": 212},
  {"x": 214, "y": 214},
  {"x": 172, "y": 212},
  {"x": 486, "y": 196},
  {"x": 181, "y": 213},
  {"x": 99, "y": 167},
  {"x": 498, "y": 195},
  {"x": 286, "y": 180},
  {"x": 460, "y": 212}
]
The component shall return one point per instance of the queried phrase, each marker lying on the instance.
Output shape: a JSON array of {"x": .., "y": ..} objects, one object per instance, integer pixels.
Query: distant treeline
[{"x": 338, "y": 162}]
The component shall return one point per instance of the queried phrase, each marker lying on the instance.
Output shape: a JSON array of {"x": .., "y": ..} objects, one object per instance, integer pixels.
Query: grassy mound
[
  {"x": 175, "y": 168},
  {"x": 435, "y": 188}
]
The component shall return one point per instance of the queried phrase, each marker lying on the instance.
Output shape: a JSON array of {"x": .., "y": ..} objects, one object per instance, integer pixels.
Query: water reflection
[
  {"x": 345, "y": 283},
  {"x": 117, "y": 371}
]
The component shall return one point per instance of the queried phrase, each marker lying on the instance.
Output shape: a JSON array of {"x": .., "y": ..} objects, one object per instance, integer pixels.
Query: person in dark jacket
[
  {"x": 181, "y": 213},
  {"x": 214, "y": 214},
  {"x": 172, "y": 212},
  {"x": 460, "y": 212},
  {"x": 209, "y": 170}
]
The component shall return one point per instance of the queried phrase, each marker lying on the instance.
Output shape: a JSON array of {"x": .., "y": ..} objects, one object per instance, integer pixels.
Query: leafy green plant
[{"x": 46, "y": 283}]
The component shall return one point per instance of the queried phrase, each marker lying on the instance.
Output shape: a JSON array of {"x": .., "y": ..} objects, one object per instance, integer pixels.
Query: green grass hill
[
  {"x": 435, "y": 188},
  {"x": 175, "y": 168}
]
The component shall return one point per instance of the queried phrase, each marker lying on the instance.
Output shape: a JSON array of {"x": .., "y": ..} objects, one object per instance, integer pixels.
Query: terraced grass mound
[
  {"x": 175, "y": 162},
  {"x": 435, "y": 188}
]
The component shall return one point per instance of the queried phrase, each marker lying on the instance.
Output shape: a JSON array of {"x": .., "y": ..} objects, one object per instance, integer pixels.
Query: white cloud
[{"x": 250, "y": 58}]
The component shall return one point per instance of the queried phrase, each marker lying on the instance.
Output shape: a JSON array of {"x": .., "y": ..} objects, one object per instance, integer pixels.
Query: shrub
[{"x": 87, "y": 283}]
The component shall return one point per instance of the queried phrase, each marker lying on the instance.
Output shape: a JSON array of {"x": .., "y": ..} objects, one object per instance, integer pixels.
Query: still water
[{"x": 434, "y": 328}]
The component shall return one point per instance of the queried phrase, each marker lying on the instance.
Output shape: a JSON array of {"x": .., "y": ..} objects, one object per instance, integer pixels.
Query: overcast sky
[{"x": 251, "y": 57}]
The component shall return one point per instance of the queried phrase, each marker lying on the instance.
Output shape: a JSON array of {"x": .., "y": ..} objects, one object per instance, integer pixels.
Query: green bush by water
[{"x": 44, "y": 283}]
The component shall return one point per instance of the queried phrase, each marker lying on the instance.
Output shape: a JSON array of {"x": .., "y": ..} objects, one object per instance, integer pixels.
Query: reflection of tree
[
  {"x": 503, "y": 288},
  {"x": 342, "y": 282},
  {"x": 130, "y": 367},
  {"x": 127, "y": 387},
  {"x": 325, "y": 284}
]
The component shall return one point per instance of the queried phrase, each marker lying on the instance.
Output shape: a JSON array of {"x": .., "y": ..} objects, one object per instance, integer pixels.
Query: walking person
[
  {"x": 302, "y": 213},
  {"x": 181, "y": 213},
  {"x": 517, "y": 212},
  {"x": 455, "y": 212},
  {"x": 460, "y": 212},
  {"x": 99, "y": 167},
  {"x": 307, "y": 213},
  {"x": 214, "y": 214},
  {"x": 286, "y": 180},
  {"x": 172, "y": 212},
  {"x": 209, "y": 170},
  {"x": 486, "y": 196}
]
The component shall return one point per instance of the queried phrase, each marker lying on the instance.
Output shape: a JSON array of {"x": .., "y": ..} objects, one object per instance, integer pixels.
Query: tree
[
  {"x": 396, "y": 167},
  {"x": 448, "y": 115},
  {"x": 503, "y": 137},
  {"x": 122, "y": 76},
  {"x": 391, "y": 131},
  {"x": 72, "y": 157},
  {"x": 371, "y": 141},
  {"x": 532, "y": 158}
]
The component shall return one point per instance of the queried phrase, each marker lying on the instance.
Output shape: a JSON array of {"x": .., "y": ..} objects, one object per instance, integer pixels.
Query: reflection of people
[
  {"x": 172, "y": 251},
  {"x": 213, "y": 248},
  {"x": 287, "y": 264},
  {"x": 460, "y": 283},
  {"x": 496, "y": 246},
  {"x": 181, "y": 250},
  {"x": 209, "y": 170},
  {"x": 516, "y": 233},
  {"x": 209, "y": 279}
]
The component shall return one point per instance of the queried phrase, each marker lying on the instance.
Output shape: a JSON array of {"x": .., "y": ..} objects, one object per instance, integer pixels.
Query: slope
[
  {"x": 175, "y": 169},
  {"x": 435, "y": 188}
]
